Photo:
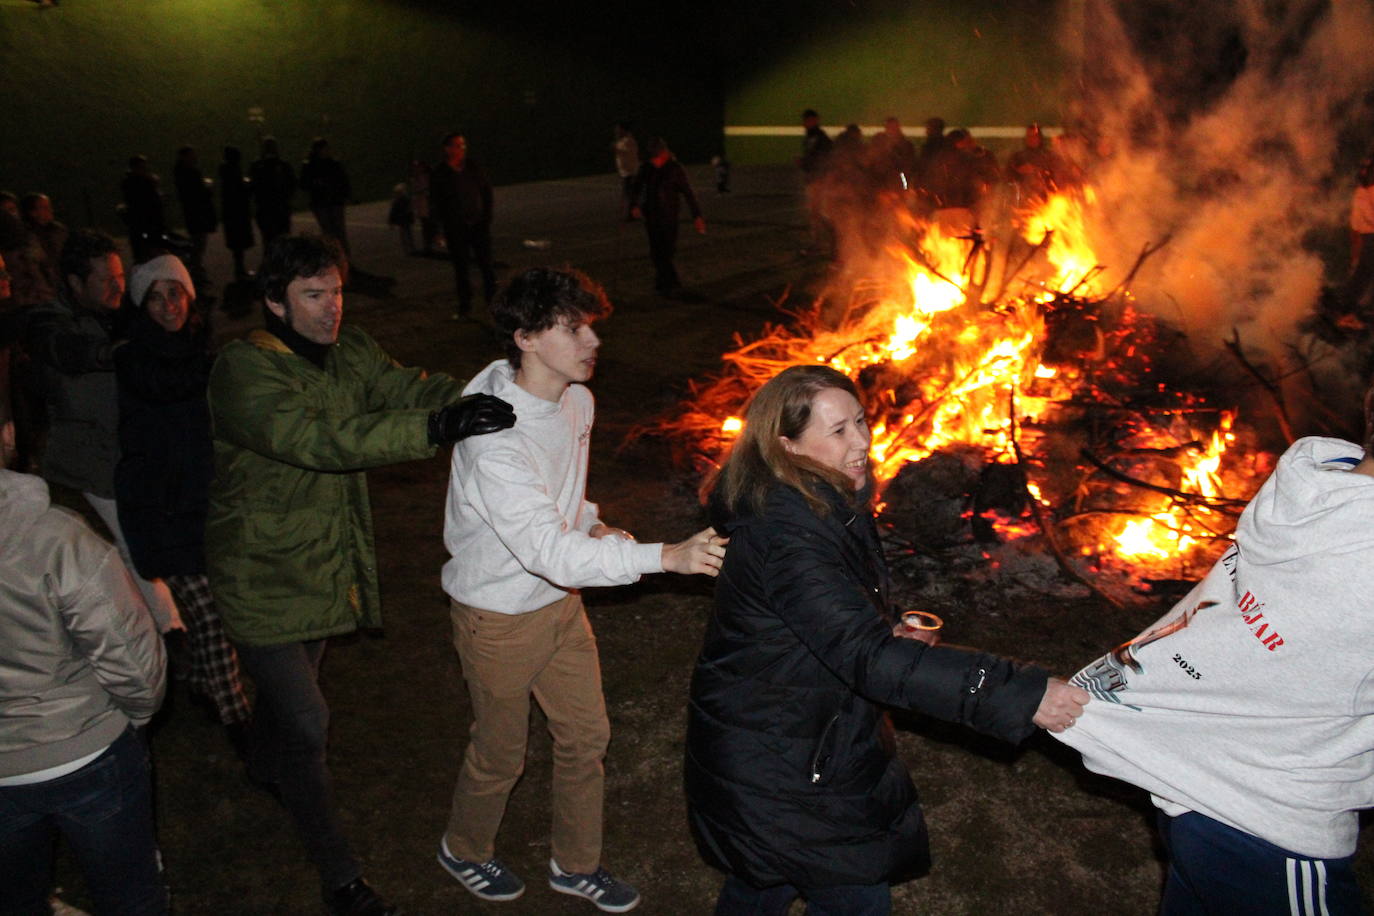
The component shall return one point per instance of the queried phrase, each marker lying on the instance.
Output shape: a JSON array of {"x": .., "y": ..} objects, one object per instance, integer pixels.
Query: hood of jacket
[
  {"x": 498, "y": 379},
  {"x": 1310, "y": 505}
]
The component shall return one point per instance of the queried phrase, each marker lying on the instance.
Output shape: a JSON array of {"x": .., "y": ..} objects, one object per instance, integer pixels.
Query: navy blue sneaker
[
  {"x": 600, "y": 887},
  {"x": 489, "y": 880}
]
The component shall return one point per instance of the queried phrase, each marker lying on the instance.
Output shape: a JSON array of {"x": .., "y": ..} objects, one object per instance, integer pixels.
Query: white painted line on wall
[{"x": 770, "y": 130}]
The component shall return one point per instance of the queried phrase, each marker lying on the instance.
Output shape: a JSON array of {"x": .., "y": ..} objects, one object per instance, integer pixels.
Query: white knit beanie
[{"x": 162, "y": 267}]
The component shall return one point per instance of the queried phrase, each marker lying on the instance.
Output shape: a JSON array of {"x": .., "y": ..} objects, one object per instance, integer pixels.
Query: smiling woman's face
[
  {"x": 836, "y": 436},
  {"x": 168, "y": 303}
]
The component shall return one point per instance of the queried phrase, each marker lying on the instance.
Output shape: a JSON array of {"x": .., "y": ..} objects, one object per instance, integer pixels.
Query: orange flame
[{"x": 949, "y": 369}]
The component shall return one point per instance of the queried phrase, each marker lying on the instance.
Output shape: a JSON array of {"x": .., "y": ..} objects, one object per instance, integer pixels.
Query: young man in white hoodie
[
  {"x": 523, "y": 539},
  {"x": 1247, "y": 711}
]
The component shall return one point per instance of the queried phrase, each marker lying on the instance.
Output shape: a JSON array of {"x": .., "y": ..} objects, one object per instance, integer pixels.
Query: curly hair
[{"x": 540, "y": 298}]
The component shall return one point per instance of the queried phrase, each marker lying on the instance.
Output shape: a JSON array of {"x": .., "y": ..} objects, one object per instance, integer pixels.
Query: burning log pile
[{"x": 1020, "y": 429}]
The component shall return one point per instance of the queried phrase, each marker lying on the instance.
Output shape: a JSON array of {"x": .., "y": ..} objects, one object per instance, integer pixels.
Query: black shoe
[{"x": 357, "y": 898}]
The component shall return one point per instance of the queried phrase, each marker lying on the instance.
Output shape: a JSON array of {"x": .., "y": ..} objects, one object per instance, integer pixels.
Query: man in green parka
[{"x": 300, "y": 410}]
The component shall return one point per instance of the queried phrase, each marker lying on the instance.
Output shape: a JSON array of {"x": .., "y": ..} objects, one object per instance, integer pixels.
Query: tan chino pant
[{"x": 550, "y": 654}]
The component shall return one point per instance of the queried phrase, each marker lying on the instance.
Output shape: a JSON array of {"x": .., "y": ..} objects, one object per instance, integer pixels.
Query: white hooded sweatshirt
[
  {"x": 517, "y": 518},
  {"x": 1252, "y": 701}
]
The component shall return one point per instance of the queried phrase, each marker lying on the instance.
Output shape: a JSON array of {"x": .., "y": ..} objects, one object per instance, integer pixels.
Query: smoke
[{"x": 1227, "y": 128}]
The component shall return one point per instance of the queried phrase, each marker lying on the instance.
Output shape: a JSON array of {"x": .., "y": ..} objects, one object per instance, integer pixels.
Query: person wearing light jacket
[
  {"x": 523, "y": 539},
  {"x": 1247, "y": 711},
  {"x": 81, "y": 667}
]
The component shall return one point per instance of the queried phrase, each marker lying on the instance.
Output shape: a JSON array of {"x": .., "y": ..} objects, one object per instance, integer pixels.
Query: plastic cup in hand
[{"x": 919, "y": 624}]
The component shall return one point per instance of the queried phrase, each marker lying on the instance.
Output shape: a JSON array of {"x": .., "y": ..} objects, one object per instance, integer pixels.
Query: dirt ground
[{"x": 1023, "y": 830}]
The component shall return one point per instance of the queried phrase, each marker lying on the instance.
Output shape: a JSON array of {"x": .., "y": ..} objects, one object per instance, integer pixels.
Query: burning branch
[{"x": 1220, "y": 504}]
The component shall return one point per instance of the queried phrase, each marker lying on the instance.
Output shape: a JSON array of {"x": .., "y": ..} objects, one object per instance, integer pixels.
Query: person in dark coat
[
  {"x": 273, "y": 185},
  {"x": 143, "y": 208},
  {"x": 197, "y": 208},
  {"x": 461, "y": 199},
  {"x": 166, "y": 463},
  {"x": 324, "y": 179},
  {"x": 236, "y": 205},
  {"x": 661, "y": 182},
  {"x": 793, "y": 786}
]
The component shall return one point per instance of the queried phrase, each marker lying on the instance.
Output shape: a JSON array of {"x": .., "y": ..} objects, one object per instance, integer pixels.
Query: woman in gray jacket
[{"x": 81, "y": 667}]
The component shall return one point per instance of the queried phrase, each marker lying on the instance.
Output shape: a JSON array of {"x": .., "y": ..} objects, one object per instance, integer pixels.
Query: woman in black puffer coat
[{"x": 793, "y": 786}]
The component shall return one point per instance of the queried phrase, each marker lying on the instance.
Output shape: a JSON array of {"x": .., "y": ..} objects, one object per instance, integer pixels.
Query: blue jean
[
  {"x": 105, "y": 813},
  {"x": 1216, "y": 869},
  {"x": 292, "y": 726},
  {"x": 738, "y": 898}
]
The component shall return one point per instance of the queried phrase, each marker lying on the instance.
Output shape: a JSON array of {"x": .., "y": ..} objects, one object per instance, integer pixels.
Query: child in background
[{"x": 402, "y": 216}]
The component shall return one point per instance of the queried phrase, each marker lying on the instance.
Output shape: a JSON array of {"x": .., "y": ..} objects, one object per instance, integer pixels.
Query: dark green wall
[
  {"x": 974, "y": 63},
  {"x": 91, "y": 82}
]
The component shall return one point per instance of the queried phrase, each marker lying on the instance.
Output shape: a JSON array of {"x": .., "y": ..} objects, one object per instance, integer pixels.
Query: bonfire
[{"x": 1013, "y": 403}]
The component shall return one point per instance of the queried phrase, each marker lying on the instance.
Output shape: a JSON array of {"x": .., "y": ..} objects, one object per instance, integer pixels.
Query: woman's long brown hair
[{"x": 758, "y": 461}]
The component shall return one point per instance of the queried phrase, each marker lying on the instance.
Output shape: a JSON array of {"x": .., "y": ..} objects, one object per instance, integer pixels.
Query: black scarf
[{"x": 307, "y": 349}]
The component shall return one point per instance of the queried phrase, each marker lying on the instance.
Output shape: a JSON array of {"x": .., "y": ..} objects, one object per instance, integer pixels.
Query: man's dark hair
[
  {"x": 82, "y": 247},
  {"x": 9, "y": 197},
  {"x": 291, "y": 257},
  {"x": 449, "y": 136},
  {"x": 539, "y": 298},
  {"x": 654, "y": 146},
  {"x": 29, "y": 202},
  {"x": 809, "y": 113}
]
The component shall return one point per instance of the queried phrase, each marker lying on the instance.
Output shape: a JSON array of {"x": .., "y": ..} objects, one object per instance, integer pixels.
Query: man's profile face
[
  {"x": 104, "y": 285},
  {"x": 810, "y": 121},
  {"x": 456, "y": 150},
  {"x": 313, "y": 306}
]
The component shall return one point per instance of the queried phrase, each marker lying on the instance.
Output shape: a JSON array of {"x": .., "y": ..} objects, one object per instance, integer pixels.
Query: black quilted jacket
[{"x": 791, "y": 775}]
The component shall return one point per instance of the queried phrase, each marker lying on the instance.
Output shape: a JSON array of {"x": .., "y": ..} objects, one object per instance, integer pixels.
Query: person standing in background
[
  {"x": 273, "y": 185},
  {"x": 323, "y": 178},
  {"x": 462, "y": 200},
  {"x": 198, "y": 209},
  {"x": 236, "y": 204},
  {"x": 626, "y": 151},
  {"x": 661, "y": 182}
]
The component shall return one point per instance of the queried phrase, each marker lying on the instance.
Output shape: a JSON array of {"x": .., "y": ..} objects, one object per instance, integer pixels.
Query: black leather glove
[{"x": 474, "y": 415}]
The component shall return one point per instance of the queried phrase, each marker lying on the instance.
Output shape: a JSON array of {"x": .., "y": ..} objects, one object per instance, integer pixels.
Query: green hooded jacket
[{"x": 289, "y": 537}]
